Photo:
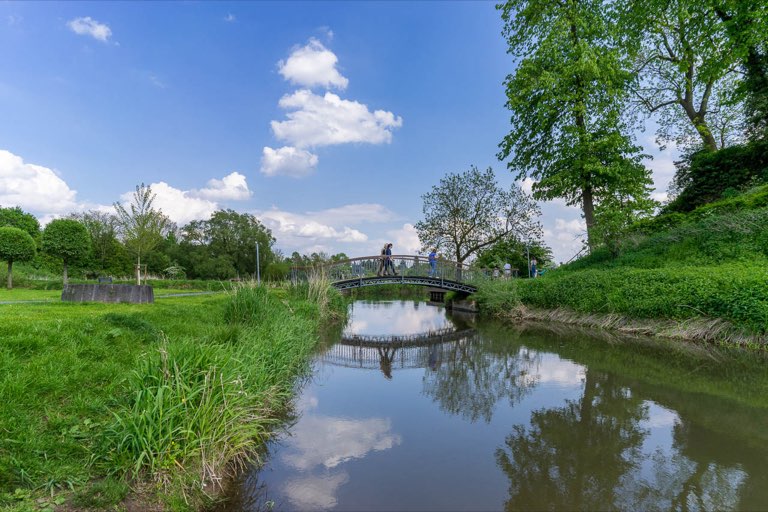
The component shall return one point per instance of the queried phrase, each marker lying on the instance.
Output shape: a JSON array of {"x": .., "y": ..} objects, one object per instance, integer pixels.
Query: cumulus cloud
[
  {"x": 565, "y": 237},
  {"x": 312, "y": 65},
  {"x": 232, "y": 187},
  {"x": 287, "y": 161},
  {"x": 87, "y": 26},
  {"x": 405, "y": 240},
  {"x": 180, "y": 206},
  {"x": 291, "y": 225},
  {"x": 230, "y": 18},
  {"x": 184, "y": 206},
  {"x": 327, "y": 120},
  {"x": 34, "y": 188},
  {"x": 330, "y": 230}
]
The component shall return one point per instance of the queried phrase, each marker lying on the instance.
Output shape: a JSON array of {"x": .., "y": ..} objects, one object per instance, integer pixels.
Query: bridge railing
[{"x": 402, "y": 265}]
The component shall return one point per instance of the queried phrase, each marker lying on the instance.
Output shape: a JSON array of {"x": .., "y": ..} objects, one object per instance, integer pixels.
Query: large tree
[
  {"x": 141, "y": 226},
  {"x": 468, "y": 211},
  {"x": 68, "y": 240},
  {"x": 686, "y": 72},
  {"x": 225, "y": 245},
  {"x": 15, "y": 245},
  {"x": 567, "y": 96},
  {"x": 745, "y": 23},
  {"x": 102, "y": 228}
]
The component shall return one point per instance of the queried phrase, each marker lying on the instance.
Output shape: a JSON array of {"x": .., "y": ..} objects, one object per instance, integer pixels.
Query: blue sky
[{"x": 327, "y": 120}]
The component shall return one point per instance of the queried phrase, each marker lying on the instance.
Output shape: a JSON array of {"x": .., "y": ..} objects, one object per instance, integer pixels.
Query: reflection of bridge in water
[{"x": 387, "y": 353}]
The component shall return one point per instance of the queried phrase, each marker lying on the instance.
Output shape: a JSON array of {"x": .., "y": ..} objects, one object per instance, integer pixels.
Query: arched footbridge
[{"x": 405, "y": 269}]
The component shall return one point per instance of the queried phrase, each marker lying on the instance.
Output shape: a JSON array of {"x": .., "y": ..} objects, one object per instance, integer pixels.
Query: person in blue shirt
[{"x": 433, "y": 262}]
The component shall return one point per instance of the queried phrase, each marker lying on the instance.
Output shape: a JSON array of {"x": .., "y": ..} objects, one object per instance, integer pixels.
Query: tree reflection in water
[
  {"x": 470, "y": 378},
  {"x": 588, "y": 455},
  {"x": 574, "y": 457}
]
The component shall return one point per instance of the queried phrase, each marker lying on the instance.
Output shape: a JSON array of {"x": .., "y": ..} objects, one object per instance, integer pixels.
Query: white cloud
[
  {"x": 230, "y": 18},
  {"x": 157, "y": 81},
  {"x": 34, "y": 188},
  {"x": 287, "y": 161},
  {"x": 312, "y": 65},
  {"x": 290, "y": 226},
  {"x": 232, "y": 187},
  {"x": 87, "y": 26},
  {"x": 331, "y": 230},
  {"x": 356, "y": 213},
  {"x": 327, "y": 120},
  {"x": 180, "y": 206},
  {"x": 405, "y": 240},
  {"x": 184, "y": 206},
  {"x": 565, "y": 237}
]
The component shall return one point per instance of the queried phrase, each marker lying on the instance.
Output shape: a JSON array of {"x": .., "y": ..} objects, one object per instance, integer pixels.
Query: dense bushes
[
  {"x": 710, "y": 175},
  {"x": 712, "y": 235}
]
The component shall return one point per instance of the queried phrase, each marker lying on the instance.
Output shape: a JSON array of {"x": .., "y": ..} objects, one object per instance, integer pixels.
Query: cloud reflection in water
[{"x": 320, "y": 444}]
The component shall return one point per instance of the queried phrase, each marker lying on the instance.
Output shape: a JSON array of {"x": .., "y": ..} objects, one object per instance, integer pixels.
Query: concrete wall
[{"x": 135, "y": 294}]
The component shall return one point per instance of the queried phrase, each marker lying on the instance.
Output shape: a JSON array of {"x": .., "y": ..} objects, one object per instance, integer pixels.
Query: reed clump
[{"x": 198, "y": 408}]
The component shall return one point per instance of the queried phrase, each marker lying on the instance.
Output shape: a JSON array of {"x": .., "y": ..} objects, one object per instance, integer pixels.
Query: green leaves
[
  {"x": 16, "y": 245},
  {"x": 468, "y": 211},
  {"x": 567, "y": 96},
  {"x": 66, "y": 239}
]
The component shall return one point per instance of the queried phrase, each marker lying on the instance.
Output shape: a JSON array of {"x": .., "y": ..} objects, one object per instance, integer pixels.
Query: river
[{"x": 462, "y": 414}]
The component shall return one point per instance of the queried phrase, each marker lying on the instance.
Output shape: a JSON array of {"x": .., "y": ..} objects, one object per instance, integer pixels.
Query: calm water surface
[{"x": 505, "y": 418}]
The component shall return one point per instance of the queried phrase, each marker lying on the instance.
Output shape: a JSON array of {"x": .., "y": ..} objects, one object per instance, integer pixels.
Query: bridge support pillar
[{"x": 436, "y": 295}]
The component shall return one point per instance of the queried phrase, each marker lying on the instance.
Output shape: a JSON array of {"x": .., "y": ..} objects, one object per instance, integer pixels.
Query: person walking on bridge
[
  {"x": 382, "y": 261},
  {"x": 388, "y": 261},
  {"x": 433, "y": 262}
]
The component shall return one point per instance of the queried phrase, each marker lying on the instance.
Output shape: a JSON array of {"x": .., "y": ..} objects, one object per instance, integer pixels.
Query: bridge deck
[{"x": 430, "y": 282}]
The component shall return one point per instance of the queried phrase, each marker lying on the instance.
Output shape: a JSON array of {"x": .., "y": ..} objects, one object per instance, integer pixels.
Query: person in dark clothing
[
  {"x": 388, "y": 263},
  {"x": 382, "y": 261}
]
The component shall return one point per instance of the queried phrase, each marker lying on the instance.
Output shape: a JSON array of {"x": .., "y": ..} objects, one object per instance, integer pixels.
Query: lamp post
[{"x": 258, "y": 273}]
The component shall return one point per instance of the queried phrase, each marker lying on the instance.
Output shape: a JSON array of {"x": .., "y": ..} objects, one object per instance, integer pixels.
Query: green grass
[
  {"x": 711, "y": 263},
  {"x": 26, "y": 294},
  {"x": 175, "y": 393}
]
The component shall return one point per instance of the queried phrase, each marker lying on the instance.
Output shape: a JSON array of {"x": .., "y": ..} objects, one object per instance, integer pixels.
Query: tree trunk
[
  {"x": 588, "y": 206},
  {"x": 138, "y": 270},
  {"x": 10, "y": 274},
  {"x": 65, "y": 273}
]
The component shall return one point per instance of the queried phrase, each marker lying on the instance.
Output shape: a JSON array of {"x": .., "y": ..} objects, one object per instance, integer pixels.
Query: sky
[{"x": 328, "y": 121}]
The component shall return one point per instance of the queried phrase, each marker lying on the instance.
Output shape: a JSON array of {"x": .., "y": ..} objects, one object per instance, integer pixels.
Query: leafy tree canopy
[
  {"x": 15, "y": 245},
  {"x": 567, "y": 96},
  {"x": 140, "y": 225},
  {"x": 17, "y": 218},
  {"x": 468, "y": 211}
]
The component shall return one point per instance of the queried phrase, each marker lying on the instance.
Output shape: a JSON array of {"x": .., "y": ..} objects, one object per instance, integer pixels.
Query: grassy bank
[
  {"x": 705, "y": 268},
  {"x": 154, "y": 404}
]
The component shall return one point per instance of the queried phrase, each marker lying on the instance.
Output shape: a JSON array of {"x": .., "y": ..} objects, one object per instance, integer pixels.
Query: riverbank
[
  {"x": 717, "y": 304},
  {"x": 147, "y": 407}
]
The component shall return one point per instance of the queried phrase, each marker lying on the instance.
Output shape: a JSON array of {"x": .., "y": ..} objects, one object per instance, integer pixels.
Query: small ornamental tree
[
  {"x": 15, "y": 245},
  {"x": 141, "y": 226},
  {"x": 67, "y": 239},
  {"x": 17, "y": 218}
]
